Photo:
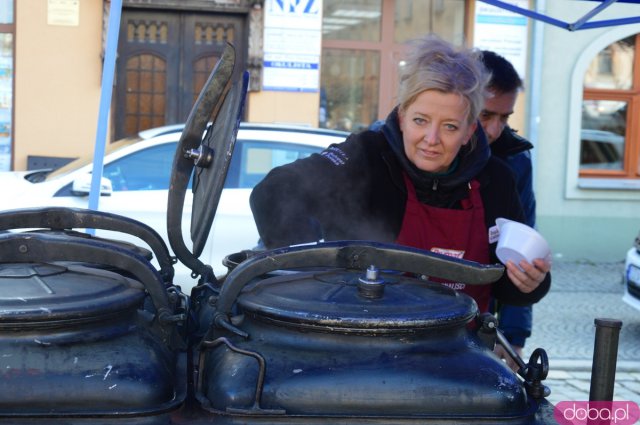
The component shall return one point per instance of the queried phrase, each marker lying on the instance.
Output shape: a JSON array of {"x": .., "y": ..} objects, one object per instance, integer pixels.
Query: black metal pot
[
  {"x": 344, "y": 342},
  {"x": 87, "y": 325}
]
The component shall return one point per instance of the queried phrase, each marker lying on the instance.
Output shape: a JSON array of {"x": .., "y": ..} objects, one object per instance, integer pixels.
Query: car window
[
  {"x": 88, "y": 159},
  {"x": 253, "y": 159},
  {"x": 147, "y": 169}
]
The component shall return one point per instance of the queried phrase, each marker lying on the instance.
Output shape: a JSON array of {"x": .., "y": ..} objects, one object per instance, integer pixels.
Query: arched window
[{"x": 610, "y": 125}]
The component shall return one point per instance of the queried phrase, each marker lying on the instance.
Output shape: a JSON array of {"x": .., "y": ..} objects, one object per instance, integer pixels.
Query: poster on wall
[
  {"x": 63, "y": 12},
  {"x": 503, "y": 32},
  {"x": 292, "y": 45}
]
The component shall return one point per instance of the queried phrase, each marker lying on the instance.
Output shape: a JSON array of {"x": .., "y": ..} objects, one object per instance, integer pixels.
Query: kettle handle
[
  {"x": 351, "y": 255},
  {"x": 60, "y": 218}
]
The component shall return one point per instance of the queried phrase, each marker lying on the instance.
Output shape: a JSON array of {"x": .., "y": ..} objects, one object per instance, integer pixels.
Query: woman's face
[{"x": 434, "y": 128}]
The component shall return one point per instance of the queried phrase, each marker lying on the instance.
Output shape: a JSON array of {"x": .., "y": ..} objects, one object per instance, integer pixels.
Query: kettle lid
[
  {"x": 39, "y": 294},
  {"x": 202, "y": 158},
  {"x": 332, "y": 300}
]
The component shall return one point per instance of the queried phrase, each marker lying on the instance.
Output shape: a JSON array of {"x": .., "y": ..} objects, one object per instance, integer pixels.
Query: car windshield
[{"x": 88, "y": 159}]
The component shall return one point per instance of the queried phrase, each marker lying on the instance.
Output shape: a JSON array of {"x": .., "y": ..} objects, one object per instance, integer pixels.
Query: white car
[
  {"x": 632, "y": 275},
  {"x": 136, "y": 180}
]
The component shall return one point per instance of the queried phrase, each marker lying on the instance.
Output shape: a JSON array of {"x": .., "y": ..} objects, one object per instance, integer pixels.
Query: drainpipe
[{"x": 535, "y": 79}]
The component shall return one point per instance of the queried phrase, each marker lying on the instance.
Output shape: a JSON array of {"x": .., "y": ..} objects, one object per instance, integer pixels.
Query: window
[
  {"x": 148, "y": 169},
  {"x": 252, "y": 160},
  {"x": 7, "y": 31},
  {"x": 610, "y": 131},
  {"x": 362, "y": 45}
]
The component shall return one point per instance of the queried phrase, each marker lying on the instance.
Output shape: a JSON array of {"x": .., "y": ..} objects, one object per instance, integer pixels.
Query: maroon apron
[{"x": 458, "y": 233}]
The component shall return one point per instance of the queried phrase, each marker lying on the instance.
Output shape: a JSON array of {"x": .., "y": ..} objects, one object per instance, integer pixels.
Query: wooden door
[{"x": 164, "y": 59}]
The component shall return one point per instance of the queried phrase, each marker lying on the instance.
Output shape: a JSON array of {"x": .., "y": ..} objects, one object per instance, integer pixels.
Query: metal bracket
[{"x": 262, "y": 365}]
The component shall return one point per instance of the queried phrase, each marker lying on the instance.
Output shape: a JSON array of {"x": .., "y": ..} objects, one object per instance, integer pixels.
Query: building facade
[
  {"x": 586, "y": 118},
  {"x": 166, "y": 48}
]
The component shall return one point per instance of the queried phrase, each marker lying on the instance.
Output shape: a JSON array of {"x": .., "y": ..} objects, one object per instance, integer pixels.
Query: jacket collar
[{"x": 509, "y": 143}]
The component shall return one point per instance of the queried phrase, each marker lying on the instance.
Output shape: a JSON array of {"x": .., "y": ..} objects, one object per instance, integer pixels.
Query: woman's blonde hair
[{"x": 434, "y": 64}]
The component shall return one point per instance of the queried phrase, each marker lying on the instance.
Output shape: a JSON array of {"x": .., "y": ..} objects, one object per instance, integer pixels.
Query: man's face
[{"x": 497, "y": 110}]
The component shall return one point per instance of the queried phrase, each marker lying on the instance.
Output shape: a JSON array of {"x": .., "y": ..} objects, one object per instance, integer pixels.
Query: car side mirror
[{"x": 82, "y": 186}]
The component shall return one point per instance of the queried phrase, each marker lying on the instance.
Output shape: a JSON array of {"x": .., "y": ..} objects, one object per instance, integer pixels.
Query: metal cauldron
[
  {"x": 349, "y": 340},
  {"x": 87, "y": 325}
]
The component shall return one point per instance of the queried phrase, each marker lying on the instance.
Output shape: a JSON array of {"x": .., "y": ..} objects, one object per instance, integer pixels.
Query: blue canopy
[{"x": 581, "y": 24}]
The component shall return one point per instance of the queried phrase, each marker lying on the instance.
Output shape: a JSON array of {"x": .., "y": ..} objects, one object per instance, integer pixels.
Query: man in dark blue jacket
[{"x": 515, "y": 321}]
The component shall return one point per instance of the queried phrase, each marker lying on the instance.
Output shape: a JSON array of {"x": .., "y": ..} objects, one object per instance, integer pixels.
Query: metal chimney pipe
[{"x": 605, "y": 355}]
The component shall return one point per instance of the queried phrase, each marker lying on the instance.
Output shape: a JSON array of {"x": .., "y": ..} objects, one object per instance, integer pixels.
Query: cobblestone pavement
[{"x": 563, "y": 324}]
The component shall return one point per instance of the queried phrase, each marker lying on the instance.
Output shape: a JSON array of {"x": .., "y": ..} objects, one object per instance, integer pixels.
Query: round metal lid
[
  {"x": 40, "y": 294},
  {"x": 333, "y": 300},
  {"x": 205, "y": 158}
]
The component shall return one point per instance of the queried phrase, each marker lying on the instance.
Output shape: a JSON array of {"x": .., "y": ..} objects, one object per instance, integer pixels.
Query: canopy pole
[
  {"x": 611, "y": 23},
  {"x": 108, "y": 70},
  {"x": 527, "y": 12},
  {"x": 581, "y": 23}
]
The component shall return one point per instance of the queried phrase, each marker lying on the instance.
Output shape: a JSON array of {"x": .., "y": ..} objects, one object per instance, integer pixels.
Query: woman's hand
[{"x": 527, "y": 277}]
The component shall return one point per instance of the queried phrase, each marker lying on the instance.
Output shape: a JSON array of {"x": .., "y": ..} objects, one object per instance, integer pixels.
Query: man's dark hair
[{"x": 504, "y": 77}]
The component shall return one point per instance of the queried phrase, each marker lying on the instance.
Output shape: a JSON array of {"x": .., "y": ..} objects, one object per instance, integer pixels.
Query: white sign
[
  {"x": 63, "y": 12},
  {"x": 503, "y": 32},
  {"x": 292, "y": 45}
]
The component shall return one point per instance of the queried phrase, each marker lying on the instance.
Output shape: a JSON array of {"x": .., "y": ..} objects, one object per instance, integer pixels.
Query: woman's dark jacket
[{"x": 355, "y": 191}]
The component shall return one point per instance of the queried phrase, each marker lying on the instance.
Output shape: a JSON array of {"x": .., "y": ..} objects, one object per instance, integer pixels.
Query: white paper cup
[{"x": 519, "y": 242}]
